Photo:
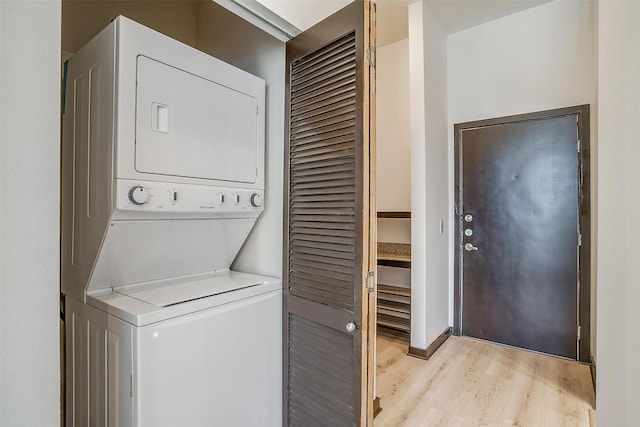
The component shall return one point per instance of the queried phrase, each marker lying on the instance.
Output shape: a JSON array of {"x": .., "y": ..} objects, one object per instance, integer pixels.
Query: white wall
[
  {"x": 29, "y": 212},
  {"x": 393, "y": 151},
  {"x": 393, "y": 136},
  {"x": 429, "y": 176},
  {"x": 618, "y": 381},
  {"x": 538, "y": 59},
  {"x": 223, "y": 35},
  {"x": 393, "y": 140}
]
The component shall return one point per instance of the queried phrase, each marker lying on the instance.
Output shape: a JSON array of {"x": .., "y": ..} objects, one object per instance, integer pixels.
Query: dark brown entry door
[
  {"x": 518, "y": 192},
  {"x": 328, "y": 200}
]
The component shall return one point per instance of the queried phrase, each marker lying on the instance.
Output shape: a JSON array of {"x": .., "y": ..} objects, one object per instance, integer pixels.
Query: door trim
[
  {"x": 370, "y": 291},
  {"x": 583, "y": 288}
]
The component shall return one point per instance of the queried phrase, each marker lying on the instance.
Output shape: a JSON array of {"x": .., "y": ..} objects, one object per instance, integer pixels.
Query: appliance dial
[
  {"x": 256, "y": 200},
  {"x": 138, "y": 195}
]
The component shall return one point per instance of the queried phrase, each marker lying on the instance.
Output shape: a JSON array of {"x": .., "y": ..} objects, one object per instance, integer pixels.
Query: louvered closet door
[{"x": 327, "y": 222}]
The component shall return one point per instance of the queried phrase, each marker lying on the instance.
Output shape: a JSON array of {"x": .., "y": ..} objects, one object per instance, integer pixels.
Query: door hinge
[
  {"x": 371, "y": 56},
  {"x": 370, "y": 282},
  {"x": 579, "y": 332},
  {"x": 579, "y": 239},
  {"x": 578, "y": 146}
]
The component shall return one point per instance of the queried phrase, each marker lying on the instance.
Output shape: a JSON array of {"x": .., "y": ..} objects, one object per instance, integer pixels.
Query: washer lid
[{"x": 170, "y": 292}]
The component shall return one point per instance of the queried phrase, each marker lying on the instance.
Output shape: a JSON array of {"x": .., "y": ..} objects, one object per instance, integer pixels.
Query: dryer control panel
[{"x": 152, "y": 196}]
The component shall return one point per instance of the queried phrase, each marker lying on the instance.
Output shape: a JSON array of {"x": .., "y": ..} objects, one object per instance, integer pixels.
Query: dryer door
[{"x": 191, "y": 127}]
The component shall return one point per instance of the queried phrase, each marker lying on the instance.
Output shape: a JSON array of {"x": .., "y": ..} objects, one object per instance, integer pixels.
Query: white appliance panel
[
  {"x": 182, "y": 200},
  {"x": 218, "y": 367},
  {"x": 176, "y": 291},
  {"x": 143, "y": 251},
  {"x": 138, "y": 312},
  {"x": 87, "y": 160},
  {"x": 99, "y": 368},
  {"x": 188, "y": 126}
]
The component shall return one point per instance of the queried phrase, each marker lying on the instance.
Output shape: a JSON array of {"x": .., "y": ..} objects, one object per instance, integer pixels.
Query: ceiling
[
  {"x": 304, "y": 13},
  {"x": 453, "y": 15}
]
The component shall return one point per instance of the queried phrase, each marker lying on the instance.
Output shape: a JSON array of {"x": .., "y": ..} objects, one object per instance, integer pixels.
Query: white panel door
[{"x": 191, "y": 127}]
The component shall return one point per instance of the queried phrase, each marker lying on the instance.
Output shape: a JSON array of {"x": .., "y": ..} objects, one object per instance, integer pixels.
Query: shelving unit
[{"x": 394, "y": 302}]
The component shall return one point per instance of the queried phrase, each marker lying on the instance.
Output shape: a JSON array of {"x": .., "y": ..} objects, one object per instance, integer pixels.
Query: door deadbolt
[
  {"x": 468, "y": 218},
  {"x": 350, "y": 327}
]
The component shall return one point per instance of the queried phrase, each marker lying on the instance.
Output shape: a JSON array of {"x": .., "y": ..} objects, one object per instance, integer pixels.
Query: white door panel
[{"x": 189, "y": 126}]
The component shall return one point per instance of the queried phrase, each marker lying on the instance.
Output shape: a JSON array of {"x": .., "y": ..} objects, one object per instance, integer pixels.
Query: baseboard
[
  {"x": 592, "y": 368},
  {"x": 432, "y": 348}
]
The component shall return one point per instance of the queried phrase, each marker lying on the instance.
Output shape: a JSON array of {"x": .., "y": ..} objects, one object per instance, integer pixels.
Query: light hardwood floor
[{"x": 469, "y": 383}]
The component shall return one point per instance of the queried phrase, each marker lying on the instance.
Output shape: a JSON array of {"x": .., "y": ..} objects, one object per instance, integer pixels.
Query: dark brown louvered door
[{"x": 327, "y": 380}]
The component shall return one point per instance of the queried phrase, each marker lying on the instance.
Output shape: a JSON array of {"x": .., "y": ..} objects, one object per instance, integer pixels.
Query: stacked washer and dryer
[{"x": 163, "y": 179}]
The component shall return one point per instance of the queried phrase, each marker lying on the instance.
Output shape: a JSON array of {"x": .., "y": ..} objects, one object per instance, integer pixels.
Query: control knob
[
  {"x": 138, "y": 195},
  {"x": 256, "y": 200}
]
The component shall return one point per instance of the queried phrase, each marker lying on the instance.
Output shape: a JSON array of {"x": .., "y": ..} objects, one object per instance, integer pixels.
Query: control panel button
[
  {"x": 220, "y": 199},
  {"x": 256, "y": 200},
  {"x": 236, "y": 198},
  {"x": 138, "y": 195},
  {"x": 173, "y": 196}
]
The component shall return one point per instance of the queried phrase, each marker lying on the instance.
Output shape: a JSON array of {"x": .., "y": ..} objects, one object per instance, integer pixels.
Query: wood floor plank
[{"x": 470, "y": 382}]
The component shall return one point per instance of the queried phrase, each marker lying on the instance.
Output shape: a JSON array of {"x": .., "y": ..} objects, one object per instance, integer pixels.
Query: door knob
[
  {"x": 470, "y": 247},
  {"x": 350, "y": 327}
]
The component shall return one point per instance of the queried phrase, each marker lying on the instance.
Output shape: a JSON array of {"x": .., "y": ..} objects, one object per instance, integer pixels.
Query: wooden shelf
[
  {"x": 382, "y": 297},
  {"x": 394, "y": 263},
  {"x": 394, "y": 323},
  {"x": 394, "y": 290},
  {"x": 394, "y": 302},
  {"x": 394, "y": 214},
  {"x": 399, "y": 307},
  {"x": 394, "y": 307}
]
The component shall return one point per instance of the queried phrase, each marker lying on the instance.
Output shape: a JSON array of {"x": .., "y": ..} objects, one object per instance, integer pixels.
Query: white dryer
[{"x": 163, "y": 179}]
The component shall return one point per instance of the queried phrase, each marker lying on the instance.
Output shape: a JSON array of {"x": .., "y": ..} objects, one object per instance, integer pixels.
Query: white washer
[
  {"x": 163, "y": 180},
  {"x": 171, "y": 353}
]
